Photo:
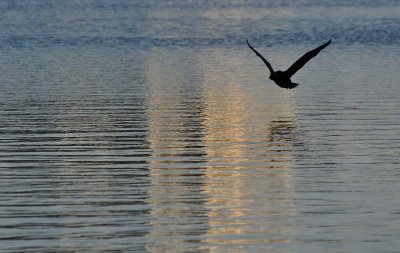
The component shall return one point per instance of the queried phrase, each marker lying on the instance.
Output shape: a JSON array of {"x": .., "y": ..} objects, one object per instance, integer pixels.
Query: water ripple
[{"x": 140, "y": 126}]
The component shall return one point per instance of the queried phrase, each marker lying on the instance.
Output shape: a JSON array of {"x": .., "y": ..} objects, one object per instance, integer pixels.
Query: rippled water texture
[{"x": 151, "y": 127}]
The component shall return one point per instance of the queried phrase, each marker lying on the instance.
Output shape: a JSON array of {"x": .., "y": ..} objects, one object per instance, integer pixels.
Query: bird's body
[{"x": 282, "y": 78}]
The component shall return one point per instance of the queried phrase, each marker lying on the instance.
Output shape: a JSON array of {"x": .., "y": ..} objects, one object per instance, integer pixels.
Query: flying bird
[{"x": 282, "y": 78}]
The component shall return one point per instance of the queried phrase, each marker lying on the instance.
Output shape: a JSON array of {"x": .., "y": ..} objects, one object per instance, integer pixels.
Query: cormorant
[{"x": 282, "y": 78}]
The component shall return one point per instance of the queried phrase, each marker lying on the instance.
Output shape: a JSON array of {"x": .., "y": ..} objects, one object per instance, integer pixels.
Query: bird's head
[{"x": 272, "y": 77}]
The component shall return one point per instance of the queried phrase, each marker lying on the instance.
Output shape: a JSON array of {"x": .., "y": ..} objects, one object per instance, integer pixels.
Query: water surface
[{"x": 151, "y": 127}]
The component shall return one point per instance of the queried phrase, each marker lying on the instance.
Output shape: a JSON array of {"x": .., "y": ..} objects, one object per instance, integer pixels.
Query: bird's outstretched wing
[
  {"x": 304, "y": 59},
  {"x": 262, "y": 58}
]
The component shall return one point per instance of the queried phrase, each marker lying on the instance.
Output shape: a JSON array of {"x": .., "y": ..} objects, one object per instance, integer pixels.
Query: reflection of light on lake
[
  {"x": 206, "y": 141},
  {"x": 248, "y": 168}
]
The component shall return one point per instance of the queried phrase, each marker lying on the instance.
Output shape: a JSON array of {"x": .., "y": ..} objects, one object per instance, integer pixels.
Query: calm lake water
[{"x": 140, "y": 126}]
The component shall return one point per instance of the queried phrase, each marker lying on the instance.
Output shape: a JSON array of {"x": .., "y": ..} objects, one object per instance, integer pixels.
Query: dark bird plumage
[{"x": 282, "y": 78}]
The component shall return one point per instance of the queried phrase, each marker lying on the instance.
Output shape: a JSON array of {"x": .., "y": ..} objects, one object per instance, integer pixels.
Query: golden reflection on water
[
  {"x": 245, "y": 178},
  {"x": 221, "y": 161}
]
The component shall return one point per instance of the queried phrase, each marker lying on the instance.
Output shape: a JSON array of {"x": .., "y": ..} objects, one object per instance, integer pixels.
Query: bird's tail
[{"x": 293, "y": 85}]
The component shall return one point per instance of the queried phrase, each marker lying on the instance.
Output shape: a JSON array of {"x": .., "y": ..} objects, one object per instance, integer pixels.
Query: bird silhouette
[{"x": 282, "y": 78}]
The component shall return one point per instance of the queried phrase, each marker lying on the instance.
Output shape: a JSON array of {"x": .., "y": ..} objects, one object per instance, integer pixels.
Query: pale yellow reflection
[
  {"x": 245, "y": 139},
  {"x": 249, "y": 152}
]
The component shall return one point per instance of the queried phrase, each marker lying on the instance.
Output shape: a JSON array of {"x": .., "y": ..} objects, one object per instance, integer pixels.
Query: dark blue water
[{"x": 140, "y": 126}]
